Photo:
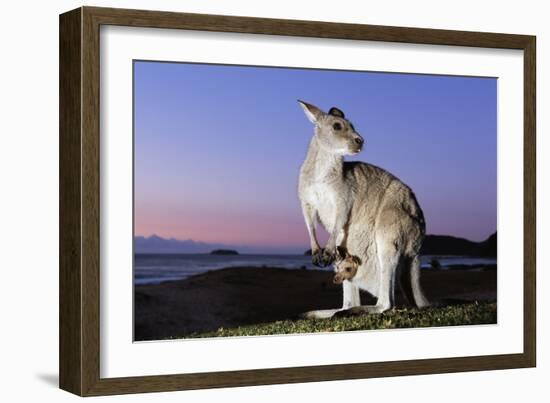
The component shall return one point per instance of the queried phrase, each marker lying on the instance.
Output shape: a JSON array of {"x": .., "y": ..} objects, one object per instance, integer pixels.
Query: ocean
[{"x": 155, "y": 268}]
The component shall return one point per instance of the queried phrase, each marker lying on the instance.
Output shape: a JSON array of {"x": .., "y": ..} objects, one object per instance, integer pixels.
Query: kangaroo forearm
[
  {"x": 310, "y": 219},
  {"x": 313, "y": 242},
  {"x": 338, "y": 229}
]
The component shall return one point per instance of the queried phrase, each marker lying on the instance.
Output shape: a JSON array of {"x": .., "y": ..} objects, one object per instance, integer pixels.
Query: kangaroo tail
[{"x": 420, "y": 299}]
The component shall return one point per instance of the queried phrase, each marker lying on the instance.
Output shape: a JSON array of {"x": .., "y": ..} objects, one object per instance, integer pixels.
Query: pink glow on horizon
[
  {"x": 231, "y": 228},
  {"x": 218, "y": 148}
]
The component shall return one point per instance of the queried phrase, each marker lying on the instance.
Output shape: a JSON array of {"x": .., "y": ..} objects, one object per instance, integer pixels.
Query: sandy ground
[{"x": 246, "y": 295}]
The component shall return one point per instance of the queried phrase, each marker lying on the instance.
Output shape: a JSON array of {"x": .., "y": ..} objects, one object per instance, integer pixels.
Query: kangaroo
[
  {"x": 366, "y": 210},
  {"x": 346, "y": 268}
]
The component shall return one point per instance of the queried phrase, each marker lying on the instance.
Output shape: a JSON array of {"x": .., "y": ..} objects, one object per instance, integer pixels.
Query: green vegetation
[{"x": 469, "y": 314}]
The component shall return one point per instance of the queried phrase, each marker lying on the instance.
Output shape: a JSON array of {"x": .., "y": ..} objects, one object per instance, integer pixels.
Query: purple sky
[{"x": 218, "y": 148}]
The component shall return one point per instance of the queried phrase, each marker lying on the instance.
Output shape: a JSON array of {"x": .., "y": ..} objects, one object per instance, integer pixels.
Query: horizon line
[{"x": 249, "y": 245}]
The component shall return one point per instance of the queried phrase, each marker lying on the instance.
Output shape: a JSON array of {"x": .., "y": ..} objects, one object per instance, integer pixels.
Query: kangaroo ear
[
  {"x": 312, "y": 112},
  {"x": 336, "y": 112},
  {"x": 356, "y": 260}
]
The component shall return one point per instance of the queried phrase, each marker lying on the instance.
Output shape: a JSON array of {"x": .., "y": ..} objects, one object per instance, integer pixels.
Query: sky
[{"x": 217, "y": 149}]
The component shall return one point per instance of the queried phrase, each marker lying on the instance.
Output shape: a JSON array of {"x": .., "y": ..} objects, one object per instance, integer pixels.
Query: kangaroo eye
[
  {"x": 348, "y": 269},
  {"x": 337, "y": 126}
]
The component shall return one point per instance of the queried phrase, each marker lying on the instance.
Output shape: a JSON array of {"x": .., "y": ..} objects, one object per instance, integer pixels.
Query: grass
[{"x": 468, "y": 314}]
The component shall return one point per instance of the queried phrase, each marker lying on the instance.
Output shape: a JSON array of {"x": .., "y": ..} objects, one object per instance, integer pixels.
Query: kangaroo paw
[
  {"x": 317, "y": 258},
  {"x": 329, "y": 256}
]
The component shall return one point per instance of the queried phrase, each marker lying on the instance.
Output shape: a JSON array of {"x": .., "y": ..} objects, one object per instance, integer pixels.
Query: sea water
[{"x": 155, "y": 268}]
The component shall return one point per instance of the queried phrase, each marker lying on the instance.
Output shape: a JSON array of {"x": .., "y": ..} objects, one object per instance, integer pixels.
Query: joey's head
[
  {"x": 333, "y": 131},
  {"x": 346, "y": 268}
]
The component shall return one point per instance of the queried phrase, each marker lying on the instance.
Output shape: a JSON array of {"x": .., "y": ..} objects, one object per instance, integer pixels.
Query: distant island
[
  {"x": 450, "y": 245},
  {"x": 224, "y": 252}
]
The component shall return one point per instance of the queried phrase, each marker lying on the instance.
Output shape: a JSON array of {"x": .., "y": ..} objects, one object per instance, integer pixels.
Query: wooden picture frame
[{"x": 80, "y": 186}]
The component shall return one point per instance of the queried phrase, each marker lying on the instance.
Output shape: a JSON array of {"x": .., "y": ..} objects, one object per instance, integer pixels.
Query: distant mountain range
[
  {"x": 157, "y": 244},
  {"x": 433, "y": 245}
]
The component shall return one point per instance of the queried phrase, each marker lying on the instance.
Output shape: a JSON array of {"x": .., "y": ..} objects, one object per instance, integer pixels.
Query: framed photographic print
[{"x": 249, "y": 201}]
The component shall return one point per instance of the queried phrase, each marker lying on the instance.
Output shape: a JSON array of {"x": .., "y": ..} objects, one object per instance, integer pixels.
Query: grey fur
[{"x": 365, "y": 209}]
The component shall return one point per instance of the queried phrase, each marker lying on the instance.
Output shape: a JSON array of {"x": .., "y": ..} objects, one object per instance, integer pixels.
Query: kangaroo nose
[{"x": 359, "y": 141}]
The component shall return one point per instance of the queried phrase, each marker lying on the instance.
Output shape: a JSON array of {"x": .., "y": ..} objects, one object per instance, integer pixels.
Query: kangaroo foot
[
  {"x": 360, "y": 310},
  {"x": 346, "y": 313},
  {"x": 319, "y": 314}
]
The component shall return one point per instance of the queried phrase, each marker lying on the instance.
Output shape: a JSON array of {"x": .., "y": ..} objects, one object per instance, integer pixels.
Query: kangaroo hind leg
[
  {"x": 351, "y": 295},
  {"x": 388, "y": 257},
  {"x": 351, "y": 298}
]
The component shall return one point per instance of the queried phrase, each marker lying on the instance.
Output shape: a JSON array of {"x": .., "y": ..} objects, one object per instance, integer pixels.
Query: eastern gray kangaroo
[
  {"x": 346, "y": 268},
  {"x": 366, "y": 210}
]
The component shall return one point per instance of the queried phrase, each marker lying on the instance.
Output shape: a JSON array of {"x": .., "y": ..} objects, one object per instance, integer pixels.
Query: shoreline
[
  {"x": 241, "y": 296},
  {"x": 146, "y": 270}
]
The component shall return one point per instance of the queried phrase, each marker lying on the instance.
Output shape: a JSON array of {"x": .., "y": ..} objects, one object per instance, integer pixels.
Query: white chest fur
[{"x": 322, "y": 197}]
